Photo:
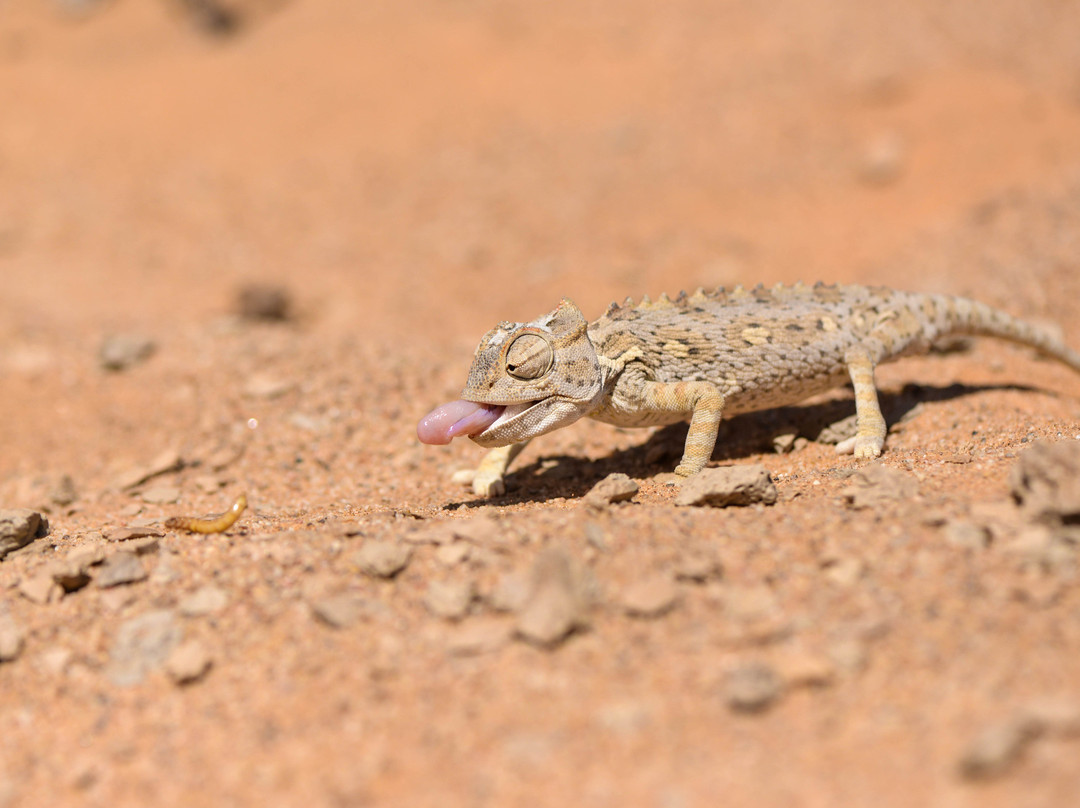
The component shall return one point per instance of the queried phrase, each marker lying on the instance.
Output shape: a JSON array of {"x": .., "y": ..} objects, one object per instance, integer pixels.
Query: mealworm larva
[{"x": 218, "y": 524}]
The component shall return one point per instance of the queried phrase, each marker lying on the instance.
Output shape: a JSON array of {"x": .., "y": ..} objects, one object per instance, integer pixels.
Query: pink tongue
[{"x": 445, "y": 423}]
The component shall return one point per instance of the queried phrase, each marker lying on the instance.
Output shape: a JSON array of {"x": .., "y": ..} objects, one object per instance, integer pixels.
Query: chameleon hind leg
[{"x": 869, "y": 422}]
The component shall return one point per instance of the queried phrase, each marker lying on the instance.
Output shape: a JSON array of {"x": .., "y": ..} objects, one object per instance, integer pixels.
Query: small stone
[
  {"x": 142, "y": 644},
  {"x": 168, "y": 461},
  {"x": 992, "y": 752},
  {"x": 449, "y": 599},
  {"x": 382, "y": 558},
  {"x": 261, "y": 301},
  {"x": 698, "y": 568},
  {"x": 782, "y": 444},
  {"x": 144, "y": 546},
  {"x": 614, "y": 488},
  {"x": 40, "y": 589},
  {"x": 188, "y": 662},
  {"x": 752, "y": 687},
  {"x": 450, "y": 555},
  {"x": 555, "y": 604},
  {"x": 203, "y": 601},
  {"x": 11, "y": 638},
  {"x": 838, "y": 432},
  {"x": 882, "y": 159},
  {"x": 877, "y": 484},
  {"x": 749, "y": 603},
  {"x": 122, "y": 351},
  {"x": 966, "y": 535},
  {"x": 728, "y": 485},
  {"x": 129, "y": 533},
  {"x": 844, "y": 572},
  {"x": 70, "y": 575},
  {"x": 511, "y": 592},
  {"x": 339, "y": 611},
  {"x": 63, "y": 492},
  {"x": 19, "y": 527},
  {"x": 120, "y": 568},
  {"x": 160, "y": 494},
  {"x": 848, "y": 654},
  {"x": 653, "y": 596},
  {"x": 55, "y": 661},
  {"x": 265, "y": 386},
  {"x": 803, "y": 669},
  {"x": 479, "y": 636},
  {"x": 1046, "y": 481},
  {"x": 1054, "y": 717}
]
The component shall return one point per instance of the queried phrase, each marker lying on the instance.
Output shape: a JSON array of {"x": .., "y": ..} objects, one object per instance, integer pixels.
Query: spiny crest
[{"x": 778, "y": 292}]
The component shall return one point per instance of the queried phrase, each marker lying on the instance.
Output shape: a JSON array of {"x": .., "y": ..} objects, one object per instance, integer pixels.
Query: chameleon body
[{"x": 700, "y": 357}]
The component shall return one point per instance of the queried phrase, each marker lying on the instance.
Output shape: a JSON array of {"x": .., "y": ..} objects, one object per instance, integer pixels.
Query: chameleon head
[{"x": 526, "y": 379}]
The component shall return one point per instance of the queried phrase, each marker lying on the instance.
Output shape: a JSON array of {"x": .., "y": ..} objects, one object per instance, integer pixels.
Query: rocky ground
[{"x": 245, "y": 247}]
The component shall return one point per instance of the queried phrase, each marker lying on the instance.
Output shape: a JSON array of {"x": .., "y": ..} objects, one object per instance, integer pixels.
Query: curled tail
[{"x": 961, "y": 315}]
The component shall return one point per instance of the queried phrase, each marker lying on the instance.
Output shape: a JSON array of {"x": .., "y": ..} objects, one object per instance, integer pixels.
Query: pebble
[
  {"x": 966, "y": 535},
  {"x": 19, "y": 527},
  {"x": 450, "y": 555},
  {"x": 382, "y": 558},
  {"x": 752, "y": 687},
  {"x": 40, "y": 589},
  {"x": 806, "y": 669},
  {"x": 782, "y": 444},
  {"x": 728, "y": 485},
  {"x": 166, "y": 462},
  {"x": 511, "y": 592},
  {"x": 844, "y": 572},
  {"x": 882, "y": 159},
  {"x": 120, "y": 568},
  {"x": 188, "y": 662},
  {"x": 698, "y": 568},
  {"x": 129, "y": 533},
  {"x": 160, "y": 494},
  {"x": 141, "y": 645},
  {"x": 1046, "y": 481},
  {"x": 449, "y": 599},
  {"x": 614, "y": 488},
  {"x": 555, "y": 604},
  {"x": 262, "y": 301},
  {"x": 339, "y": 611},
  {"x": 205, "y": 600},
  {"x": 122, "y": 351},
  {"x": 653, "y": 596},
  {"x": 478, "y": 637},
  {"x": 62, "y": 492},
  {"x": 877, "y": 484},
  {"x": 265, "y": 386},
  {"x": 71, "y": 573},
  {"x": 994, "y": 750},
  {"x": 750, "y": 602},
  {"x": 11, "y": 638}
]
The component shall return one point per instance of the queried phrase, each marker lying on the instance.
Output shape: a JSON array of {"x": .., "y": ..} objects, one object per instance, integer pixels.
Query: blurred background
[{"x": 418, "y": 163}]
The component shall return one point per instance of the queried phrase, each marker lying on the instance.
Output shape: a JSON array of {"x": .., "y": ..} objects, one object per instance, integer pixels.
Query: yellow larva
[{"x": 219, "y": 524}]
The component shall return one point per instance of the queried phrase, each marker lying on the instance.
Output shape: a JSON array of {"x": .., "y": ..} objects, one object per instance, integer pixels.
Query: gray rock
[
  {"x": 1046, "y": 481},
  {"x": 994, "y": 750},
  {"x": 40, "y": 588},
  {"x": 876, "y": 485},
  {"x": 382, "y": 558},
  {"x": 11, "y": 638},
  {"x": 122, "y": 351},
  {"x": 450, "y": 599},
  {"x": 728, "y": 485},
  {"x": 19, "y": 527},
  {"x": 339, "y": 611},
  {"x": 142, "y": 644},
  {"x": 653, "y": 596},
  {"x": 615, "y": 487},
  {"x": 555, "y": 605},
  {"x": 752, "y": 687},
  {"x": 204, "y": 600},
  {"x": 188, "y": 662},
  {"x": 120, "y": 568}
]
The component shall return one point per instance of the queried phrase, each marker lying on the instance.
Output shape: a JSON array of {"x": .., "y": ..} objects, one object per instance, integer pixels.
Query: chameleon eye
[{"x": 529, "y": 357}]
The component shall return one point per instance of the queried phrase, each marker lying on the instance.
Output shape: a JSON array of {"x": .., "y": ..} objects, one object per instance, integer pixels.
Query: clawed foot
[
  {"x": 864, "y": 447},
  {"x": 483, "y": 484}
]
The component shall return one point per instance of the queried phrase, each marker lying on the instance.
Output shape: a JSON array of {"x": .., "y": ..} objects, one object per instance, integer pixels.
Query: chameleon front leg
[
  {"x": 487, "y": 480},
  {"x": 869, "y": 422},
  {"x": 704, "y": 402}
]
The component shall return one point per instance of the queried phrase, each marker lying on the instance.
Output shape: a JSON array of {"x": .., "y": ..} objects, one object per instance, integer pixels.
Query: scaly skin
[{"x": 703, "y": 356}]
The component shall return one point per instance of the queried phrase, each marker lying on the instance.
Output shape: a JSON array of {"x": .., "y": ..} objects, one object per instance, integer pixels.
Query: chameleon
[{"x": 700, "y": 357}]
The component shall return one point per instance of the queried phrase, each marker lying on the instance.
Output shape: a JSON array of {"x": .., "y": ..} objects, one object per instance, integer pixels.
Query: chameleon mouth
[{"x": 471, "y": 418}]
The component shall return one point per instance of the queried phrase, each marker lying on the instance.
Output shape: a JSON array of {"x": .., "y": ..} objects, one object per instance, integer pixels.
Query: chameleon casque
[{"x": 700, "y": 357}]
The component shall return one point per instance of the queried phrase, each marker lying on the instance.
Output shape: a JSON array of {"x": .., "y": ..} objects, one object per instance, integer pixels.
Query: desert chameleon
[{"x": 699, "y": 357}]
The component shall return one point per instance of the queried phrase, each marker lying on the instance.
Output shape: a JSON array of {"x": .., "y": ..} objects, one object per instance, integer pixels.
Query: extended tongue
[{"x": 443, "y": 424}]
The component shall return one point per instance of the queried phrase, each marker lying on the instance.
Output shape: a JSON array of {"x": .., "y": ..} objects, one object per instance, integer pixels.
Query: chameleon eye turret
[{"x": 529, "y": 357}]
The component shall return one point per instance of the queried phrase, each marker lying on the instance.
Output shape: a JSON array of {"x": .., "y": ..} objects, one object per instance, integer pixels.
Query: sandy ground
[{"x": 410, "y": 173}]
